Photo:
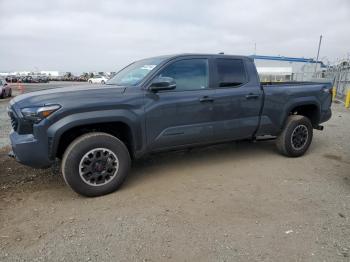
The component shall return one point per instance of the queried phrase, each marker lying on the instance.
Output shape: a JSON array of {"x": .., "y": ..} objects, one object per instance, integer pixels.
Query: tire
[
  {"x": 90, "y": 82},
  {"x": 296, "y": 136},
  {"x": 2, "y": 95},
  {"x": 103, "y": 82},
  {"x": 10, "y": 93},
  {"x": 87, "y": 152}
]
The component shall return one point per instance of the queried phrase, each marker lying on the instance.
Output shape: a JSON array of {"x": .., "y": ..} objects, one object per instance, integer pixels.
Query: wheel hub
[
  {"x": 98, "y": 166},
  {"x": 299, "y": 137}
]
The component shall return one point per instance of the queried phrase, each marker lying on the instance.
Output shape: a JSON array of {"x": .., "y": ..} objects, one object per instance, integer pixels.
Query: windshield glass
[{"x": 134, "y": 73}]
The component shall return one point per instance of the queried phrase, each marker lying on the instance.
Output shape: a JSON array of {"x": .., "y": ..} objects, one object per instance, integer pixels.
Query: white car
[{"x": 98, "y": 80}]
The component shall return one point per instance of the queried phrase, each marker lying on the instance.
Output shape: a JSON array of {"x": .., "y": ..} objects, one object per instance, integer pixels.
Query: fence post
[{"x": 347, "y": 99}]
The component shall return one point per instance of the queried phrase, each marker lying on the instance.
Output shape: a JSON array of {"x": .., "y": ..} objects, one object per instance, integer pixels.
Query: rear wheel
[
  {"x": 10, "y": 93},
  {"x": 90, "y": 81},
  {"x": 95, "y": 164},
  {"x": 296, "y": 136},
  {"x": 103, "y": 82}
]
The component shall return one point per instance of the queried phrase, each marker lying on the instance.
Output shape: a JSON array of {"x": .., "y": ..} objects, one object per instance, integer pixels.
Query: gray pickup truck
[{"x": 158, "y": 104}]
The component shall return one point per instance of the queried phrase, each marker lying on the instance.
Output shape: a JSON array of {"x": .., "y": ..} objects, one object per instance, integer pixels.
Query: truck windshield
[{"x": 134, "y": 73}]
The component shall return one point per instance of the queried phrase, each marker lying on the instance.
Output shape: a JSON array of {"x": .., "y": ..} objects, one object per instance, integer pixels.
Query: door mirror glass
[{"x": 163, "y": 83}]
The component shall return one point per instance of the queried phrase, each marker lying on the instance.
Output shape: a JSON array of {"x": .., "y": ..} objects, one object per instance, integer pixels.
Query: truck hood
[{"x": 68, "y": 95}]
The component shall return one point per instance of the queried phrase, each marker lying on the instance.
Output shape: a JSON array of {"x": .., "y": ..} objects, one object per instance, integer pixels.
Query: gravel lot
[{"x": 235, "y": 202}]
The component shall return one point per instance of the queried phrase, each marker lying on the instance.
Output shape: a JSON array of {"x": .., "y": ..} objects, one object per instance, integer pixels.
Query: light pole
[{"x": 318, "y": 52}]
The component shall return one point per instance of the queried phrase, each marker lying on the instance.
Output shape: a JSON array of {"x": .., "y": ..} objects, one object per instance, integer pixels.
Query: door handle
[
  {"x": 252, "y": 96},
  {"x": 206, "y": 99}
]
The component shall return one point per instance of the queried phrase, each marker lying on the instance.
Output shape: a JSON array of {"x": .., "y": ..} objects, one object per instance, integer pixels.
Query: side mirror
[{"x": 163, "y": 83}]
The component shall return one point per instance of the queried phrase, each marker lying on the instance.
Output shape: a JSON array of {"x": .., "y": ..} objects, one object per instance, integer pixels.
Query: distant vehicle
[
  {"x": 158, "y": 104},
  {"x": 34, "y": 79},
  {"x": 5, "y": 89},
  {"x": 98, "y": 80},
  {"x": 43, "y": 79},
  {"x": 11, "y": 79},
  {"x": 25, "y": 79}
]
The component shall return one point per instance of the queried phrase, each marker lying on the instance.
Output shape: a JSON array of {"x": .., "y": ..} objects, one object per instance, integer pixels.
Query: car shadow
[{"x": 158, "y": 164}]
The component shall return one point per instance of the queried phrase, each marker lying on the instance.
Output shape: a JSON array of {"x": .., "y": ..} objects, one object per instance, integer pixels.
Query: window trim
[
  {"x": 215, "y": 70},
  {"x": 172, "y": 61}
]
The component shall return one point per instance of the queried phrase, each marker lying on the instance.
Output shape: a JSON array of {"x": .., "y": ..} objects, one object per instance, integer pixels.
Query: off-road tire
[
  {"x": 284, "y": 141},
  {"x": 78, "y": 149}
]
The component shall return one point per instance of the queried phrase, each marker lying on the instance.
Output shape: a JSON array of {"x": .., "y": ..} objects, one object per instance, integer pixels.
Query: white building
[{"x": 281, "y": 68}]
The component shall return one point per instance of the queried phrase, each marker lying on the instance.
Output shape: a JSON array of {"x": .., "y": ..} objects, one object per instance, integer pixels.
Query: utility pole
[
  {"x": 318, "y": 52},
  {"x": 255, "y": 48}
]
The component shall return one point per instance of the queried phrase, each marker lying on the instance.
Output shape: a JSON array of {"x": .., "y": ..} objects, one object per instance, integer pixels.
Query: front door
[{"x": 182, "y": 116}]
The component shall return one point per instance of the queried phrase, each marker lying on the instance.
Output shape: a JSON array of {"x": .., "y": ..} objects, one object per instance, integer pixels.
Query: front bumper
[{"x": 28, "y": 151}]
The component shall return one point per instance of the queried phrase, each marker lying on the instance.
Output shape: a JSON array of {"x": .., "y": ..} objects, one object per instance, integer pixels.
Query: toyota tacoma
[{"x": 160, "y": 104}]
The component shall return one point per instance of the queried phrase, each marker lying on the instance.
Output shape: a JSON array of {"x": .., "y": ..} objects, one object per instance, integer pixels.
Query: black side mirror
[{"x": 163, "y": 83}]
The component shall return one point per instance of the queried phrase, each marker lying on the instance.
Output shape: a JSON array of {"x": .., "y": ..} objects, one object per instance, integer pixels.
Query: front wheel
[
  {"x": 95, "y": 164},
  {"x": 296, "y": 136}
]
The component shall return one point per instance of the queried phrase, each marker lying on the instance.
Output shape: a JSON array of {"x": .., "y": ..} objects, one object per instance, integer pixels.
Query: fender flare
[
  {"x": 300, "y": 101},
  {"x": 57, "y": 129}
]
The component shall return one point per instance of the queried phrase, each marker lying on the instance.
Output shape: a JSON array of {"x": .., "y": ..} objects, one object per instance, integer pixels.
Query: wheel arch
[
  {"x": 63, "y": 132},
  {"x": 309, "y": 108}
]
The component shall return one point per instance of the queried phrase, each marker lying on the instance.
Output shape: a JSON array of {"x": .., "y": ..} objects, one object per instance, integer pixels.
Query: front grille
[
  {"x": 14, "y": 119},
  {"x": 14, "y": 123}
]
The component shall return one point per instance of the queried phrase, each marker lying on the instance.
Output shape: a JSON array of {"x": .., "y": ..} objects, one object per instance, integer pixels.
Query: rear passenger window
[{"x": 230, "y": 72}]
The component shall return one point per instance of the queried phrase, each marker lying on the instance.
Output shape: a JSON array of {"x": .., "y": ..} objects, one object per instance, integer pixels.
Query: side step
[{"x": 263, "y": 138}]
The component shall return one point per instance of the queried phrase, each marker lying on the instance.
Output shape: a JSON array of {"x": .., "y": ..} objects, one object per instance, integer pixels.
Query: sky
[{"x": 105, "y": 35}]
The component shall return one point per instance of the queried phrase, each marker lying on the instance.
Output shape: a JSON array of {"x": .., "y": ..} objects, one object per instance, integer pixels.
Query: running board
[{"x": 264, "y": 138}]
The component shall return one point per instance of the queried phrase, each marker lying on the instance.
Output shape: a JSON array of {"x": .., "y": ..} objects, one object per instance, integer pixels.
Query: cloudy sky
[{"x": 84, "y": 35}]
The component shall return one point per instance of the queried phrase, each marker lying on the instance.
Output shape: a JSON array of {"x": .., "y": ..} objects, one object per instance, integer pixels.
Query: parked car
[
  {"x": 26, "y": 79},
  {"x": 98, "y": 80},
  {"x": 5, "y": 89},
  {"x": 11, "y": 79},
  {"x": 43, "y": 79},
  {"x": 159, "y": 104}
]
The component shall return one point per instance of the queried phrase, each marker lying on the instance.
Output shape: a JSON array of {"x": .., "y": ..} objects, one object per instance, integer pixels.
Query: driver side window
[{"x": 189, "y": 74}]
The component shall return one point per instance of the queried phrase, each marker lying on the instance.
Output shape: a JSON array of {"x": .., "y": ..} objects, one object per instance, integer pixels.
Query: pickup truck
[{"x": 159, "y": 104}]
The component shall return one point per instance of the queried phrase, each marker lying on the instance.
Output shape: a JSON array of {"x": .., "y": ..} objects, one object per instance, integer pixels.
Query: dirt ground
[{"x": 235, "y": 202}]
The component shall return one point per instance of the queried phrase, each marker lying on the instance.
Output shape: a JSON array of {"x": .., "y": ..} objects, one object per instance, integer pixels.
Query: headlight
[{"x": 36, "y": 114}]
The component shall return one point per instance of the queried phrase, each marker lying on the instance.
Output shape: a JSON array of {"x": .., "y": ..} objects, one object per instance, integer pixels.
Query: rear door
[{"x": 238, "y": 98}]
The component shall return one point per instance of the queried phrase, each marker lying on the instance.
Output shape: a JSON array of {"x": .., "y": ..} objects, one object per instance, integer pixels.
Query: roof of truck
[{"x": 168, "y": 57}]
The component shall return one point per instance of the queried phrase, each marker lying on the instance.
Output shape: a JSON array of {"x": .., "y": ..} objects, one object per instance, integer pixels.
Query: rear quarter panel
[{"x": 280, "y": 100}]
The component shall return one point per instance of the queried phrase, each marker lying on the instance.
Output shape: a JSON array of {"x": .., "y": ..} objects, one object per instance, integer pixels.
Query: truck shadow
[
  {"x": 168, "y": 162},
  {"x": 16, "y": 177}
]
